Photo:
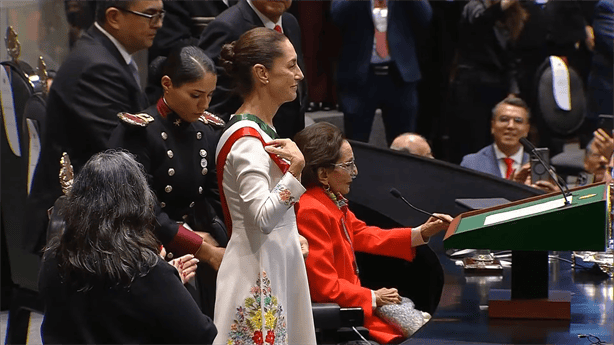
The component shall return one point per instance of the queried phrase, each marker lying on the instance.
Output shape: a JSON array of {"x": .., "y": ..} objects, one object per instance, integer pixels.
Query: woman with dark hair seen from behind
[
  {"x": 263, "y": 294},
  {"x": 102, "y": 281},
  {"x": 175, "y": 141},
  {"x": 334, "y": 233}
]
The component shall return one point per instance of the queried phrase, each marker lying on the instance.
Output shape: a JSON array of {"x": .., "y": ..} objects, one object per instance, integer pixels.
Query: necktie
[
  {"x": 278, "y": 29},
  {"x": 381, "y": 42},
  {"x": 508, "y": 162},
  {"x": 135, "y": 72}
]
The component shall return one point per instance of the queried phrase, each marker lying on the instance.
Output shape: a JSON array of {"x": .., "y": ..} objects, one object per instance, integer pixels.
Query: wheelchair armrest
[{"x": 332, "y": 316}]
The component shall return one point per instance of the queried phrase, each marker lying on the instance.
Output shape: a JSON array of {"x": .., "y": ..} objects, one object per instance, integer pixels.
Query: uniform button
[
  {"x": 169, "y": 256},
  {"x": 200, "y": 190},
  {"x": 205, "y": 171},
  {"x": 168, "y": 188},
  {"x": 203, "y": 153},
  {"x": 164, "y": 135},
  {"x": 171, "y": 171},
  {"x": 203, "y": 162},
  {"x": 163, "y": 204},
  {"x": 192, "y": 204},
  {"x": 170, "y": 153},
  {"x": 199, "y": 135}
]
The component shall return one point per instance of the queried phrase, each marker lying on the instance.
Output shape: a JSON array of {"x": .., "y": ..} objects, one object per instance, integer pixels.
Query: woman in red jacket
[{"x": 334, "y": 233}]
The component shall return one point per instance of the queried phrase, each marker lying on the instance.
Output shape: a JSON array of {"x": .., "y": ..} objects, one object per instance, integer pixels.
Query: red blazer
[{"x": 330, "y": 264}]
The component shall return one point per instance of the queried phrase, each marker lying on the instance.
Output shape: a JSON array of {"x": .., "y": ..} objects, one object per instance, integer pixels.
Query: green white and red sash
[{"x": 239, "y": 126}]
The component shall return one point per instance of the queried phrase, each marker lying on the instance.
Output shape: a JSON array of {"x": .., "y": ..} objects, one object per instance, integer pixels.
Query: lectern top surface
[{"x": 579, "y": 197}]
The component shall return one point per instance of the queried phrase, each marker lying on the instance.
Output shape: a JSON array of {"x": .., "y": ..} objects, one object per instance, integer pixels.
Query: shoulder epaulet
[
  {"x": 209, "y": 119},
  {"x": 141, "y": 119}
]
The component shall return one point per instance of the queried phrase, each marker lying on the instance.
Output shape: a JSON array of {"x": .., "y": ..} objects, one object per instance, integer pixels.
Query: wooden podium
[{"x": 530, "y": 228}]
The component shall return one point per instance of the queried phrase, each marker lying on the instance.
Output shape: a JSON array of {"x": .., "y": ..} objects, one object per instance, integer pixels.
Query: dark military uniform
[{"x": 179, "y": 160}]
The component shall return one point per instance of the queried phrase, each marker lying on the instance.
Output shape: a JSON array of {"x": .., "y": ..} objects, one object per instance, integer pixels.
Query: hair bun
[
  {"x": 227, "y": 57},
  {"x": 156, "y": 67}
]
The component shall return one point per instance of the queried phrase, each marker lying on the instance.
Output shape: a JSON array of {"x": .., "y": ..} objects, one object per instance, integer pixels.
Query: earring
[{"x": 326, "y": 188}]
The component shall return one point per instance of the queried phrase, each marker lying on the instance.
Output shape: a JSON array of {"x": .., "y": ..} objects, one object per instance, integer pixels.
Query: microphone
[
  {"x": 397, "y": 194},
  {"x": 531, "y": 148}
]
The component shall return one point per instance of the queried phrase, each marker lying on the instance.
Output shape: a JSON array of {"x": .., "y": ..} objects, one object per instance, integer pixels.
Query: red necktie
[
  {"x": 278, "y": 29},
  {"x": 509, "y": 162},
  {"x": 381, "y": 41}
]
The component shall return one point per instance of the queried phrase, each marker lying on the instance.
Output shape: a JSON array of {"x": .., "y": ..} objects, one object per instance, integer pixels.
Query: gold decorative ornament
[
  {"x": 12, "y": 43},
  {"x": 67, "y": 174}
]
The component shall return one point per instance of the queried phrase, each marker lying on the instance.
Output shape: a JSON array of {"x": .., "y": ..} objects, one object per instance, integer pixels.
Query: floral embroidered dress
[{"x": 263, "y": 293}]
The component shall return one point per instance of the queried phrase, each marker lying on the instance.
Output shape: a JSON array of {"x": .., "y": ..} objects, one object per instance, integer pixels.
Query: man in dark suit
[
  {"x": 184, "y": 22},
  {"x": 509, "y": 123},
  {"x": 228, "y": 27},
  {"x": 378, "y": 66},
  {"x": 98, "y": 80}
]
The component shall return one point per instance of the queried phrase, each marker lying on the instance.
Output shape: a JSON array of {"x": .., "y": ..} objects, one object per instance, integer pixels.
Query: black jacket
[
  {"x": 156, "y": 309},
  {"x": 90, "y": 88}
]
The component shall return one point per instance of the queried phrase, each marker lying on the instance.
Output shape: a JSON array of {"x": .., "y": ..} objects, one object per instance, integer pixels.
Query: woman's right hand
[
  {"x": 385, "y": 296},
  {"x": 434, "y": 225},
  {"x": 287, "y": 149},
  {"x": 210, "y": 254}
]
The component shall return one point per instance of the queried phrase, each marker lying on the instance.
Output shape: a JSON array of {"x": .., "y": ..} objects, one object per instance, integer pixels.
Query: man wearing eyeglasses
[
  {"x": 509, "y": 123},
  {"x": 98, "y": 79}
]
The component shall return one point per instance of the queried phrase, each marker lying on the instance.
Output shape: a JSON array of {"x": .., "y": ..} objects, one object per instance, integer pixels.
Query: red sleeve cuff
[{"x": 184, "y": 242}]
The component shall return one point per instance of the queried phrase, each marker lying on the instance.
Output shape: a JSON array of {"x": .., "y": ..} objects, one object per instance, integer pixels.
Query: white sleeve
[{"x": 267, "y": 200}]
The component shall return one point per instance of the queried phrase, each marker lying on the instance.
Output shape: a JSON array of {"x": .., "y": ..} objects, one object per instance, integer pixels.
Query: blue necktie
[{"x": 135, "y": 72}]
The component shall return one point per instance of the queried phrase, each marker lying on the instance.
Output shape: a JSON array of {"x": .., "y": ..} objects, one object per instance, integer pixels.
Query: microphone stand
[{"x": 482, "y": 261}]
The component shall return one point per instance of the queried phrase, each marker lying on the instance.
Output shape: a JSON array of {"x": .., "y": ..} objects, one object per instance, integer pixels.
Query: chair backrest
[{"x": 18, "y": 86}]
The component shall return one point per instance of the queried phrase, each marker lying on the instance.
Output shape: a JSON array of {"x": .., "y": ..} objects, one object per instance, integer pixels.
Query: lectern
[{"x": 530, "y": 228}]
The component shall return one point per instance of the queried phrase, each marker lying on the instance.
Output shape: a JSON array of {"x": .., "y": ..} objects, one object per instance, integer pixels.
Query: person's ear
[
  {"x": 261, "y": 74},
  {"x": 166, "y": 82},
  {"x": 323, "y": 175},
  {"x": 112, "y": 16}
]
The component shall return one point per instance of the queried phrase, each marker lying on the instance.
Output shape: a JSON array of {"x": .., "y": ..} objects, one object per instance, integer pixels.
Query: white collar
[
  {"x": 265, "y": 20},
  {"x": 516, "y": 157},
  {"x": 117, "y": 44}
]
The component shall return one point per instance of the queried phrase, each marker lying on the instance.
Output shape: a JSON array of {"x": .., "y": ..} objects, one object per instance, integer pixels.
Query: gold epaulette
[
  {"x": 141, "y": 120},
  {"x": 209, "y": 119}
]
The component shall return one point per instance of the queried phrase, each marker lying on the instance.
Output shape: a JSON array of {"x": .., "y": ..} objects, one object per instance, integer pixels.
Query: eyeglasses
[
  {"x": 517, "y": 119},
  {"x": 155, "y": 18},
  {"x": 350, "y": 166}
]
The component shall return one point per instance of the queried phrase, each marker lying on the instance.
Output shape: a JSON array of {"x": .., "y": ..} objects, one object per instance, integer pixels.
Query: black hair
[
  {"x": 108, "y": 240},
  {"x": 103, "y": 5},
  {"x": 320, "y": 144},
  {"x": 515, "y": 101},
  {"x": 184, "y": 64},
  {"x": 256, "y": 46}
]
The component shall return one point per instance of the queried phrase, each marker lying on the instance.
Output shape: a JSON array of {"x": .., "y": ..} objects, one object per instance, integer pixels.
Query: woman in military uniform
[{"x": 175, "y": 140}]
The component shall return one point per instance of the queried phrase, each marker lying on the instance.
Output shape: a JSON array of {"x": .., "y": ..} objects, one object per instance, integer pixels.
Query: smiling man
[
  {"x": 509, "y": 123},
  {"x": 96, "y": 81}
]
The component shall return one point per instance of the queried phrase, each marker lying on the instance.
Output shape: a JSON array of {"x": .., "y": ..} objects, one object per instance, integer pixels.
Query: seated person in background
[
  {"x": 103, "y": 281},
  {"x": 412, "y": 143},
  {"x": 506, "y": 158},
  {"x": 597, "y": 156},
  {"x": 334, "y": 232},
  {"x": 509, "y": 122}
]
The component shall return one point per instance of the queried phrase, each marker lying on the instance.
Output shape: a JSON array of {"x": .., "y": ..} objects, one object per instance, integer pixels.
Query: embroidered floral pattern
[
  {"x": 260, "y": 319},
  {"x": 285, "y": 196}
]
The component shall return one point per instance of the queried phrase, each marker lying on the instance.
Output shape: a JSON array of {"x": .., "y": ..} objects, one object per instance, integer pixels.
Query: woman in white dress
[{"x": 263, "y": 293}]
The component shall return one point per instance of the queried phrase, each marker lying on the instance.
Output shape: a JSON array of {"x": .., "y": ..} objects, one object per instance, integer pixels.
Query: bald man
[{"x": 412, "y": 143}]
